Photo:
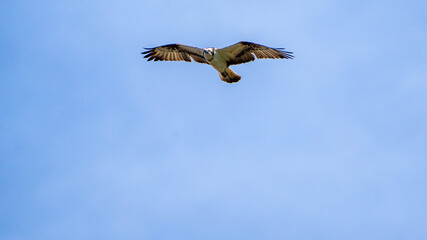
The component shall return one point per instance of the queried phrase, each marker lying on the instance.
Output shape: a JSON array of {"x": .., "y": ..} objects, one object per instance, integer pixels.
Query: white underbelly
[{"x": 218, "y": 63}]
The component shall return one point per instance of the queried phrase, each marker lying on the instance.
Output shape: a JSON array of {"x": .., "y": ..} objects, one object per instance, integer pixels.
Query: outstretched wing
[
  {"x": 244, "y": 52},
  {"x": 175, "y": 52}
]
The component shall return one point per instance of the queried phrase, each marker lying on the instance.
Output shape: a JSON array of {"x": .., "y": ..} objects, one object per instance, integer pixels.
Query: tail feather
[{"x": 229, "y": 76}]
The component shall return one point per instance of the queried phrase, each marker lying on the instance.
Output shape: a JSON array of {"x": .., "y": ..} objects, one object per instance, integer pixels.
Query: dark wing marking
[
  {"x": 243, "y": 52},
  {"x": 175, "y": 52}
]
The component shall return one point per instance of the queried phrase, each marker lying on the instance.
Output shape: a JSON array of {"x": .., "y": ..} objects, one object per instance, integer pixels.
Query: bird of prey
[{"x": 220, "y": 59}]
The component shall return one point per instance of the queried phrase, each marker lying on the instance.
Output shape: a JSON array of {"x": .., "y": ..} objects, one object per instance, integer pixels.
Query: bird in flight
[{"x": 220, "y": 59}]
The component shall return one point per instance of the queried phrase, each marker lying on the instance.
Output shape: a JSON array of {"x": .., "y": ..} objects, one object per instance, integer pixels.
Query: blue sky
[{"x": 97, "y": 143}]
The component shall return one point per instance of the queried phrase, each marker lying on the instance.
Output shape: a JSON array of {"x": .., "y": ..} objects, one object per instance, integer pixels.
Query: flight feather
[
  {"x": 243, "y": 52},
  {"x": 175, "y": 52}
]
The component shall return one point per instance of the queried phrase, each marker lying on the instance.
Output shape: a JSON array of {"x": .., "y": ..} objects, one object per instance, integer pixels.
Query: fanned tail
[{"x": 229, "y": 76}]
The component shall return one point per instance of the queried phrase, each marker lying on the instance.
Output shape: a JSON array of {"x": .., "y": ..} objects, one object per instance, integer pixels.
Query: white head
[{"x": 209, "y": 53}]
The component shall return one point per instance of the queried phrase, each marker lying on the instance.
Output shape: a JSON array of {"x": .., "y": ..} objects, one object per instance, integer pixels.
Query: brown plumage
[
  {"x": 244, "y": 52},
  {"x": 220, "y": 59},
  {"x": 175, "y": 52}
]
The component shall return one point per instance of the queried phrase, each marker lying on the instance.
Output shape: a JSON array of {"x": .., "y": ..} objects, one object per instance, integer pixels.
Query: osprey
[{"x": 220, "y": 59}]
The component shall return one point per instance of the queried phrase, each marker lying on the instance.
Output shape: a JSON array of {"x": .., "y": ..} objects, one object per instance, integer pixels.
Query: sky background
[{"x": 97, "y": 143}]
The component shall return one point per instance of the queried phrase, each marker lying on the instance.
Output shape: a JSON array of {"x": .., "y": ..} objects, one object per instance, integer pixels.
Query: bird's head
[{"x": 209, "y": 52}]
